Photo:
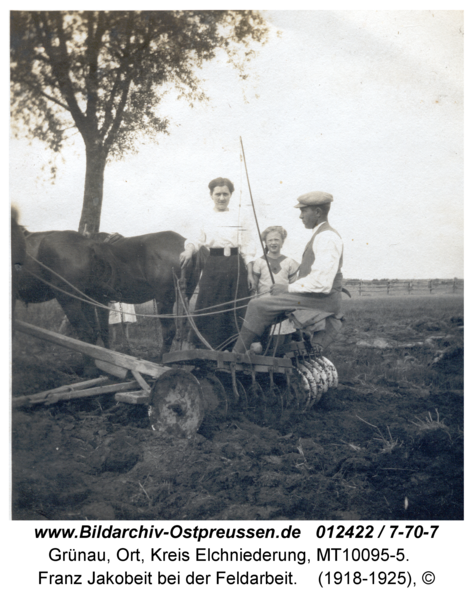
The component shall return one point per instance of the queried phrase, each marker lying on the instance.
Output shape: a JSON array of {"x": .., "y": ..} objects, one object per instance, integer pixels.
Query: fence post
[
  {"x": 409, "y": 287},
  {"x": 454, "y": 285},
  {"x": 430, "y": 286},
  {"x": 387, "y": 287},
  {"x": 359, "y": 288}
]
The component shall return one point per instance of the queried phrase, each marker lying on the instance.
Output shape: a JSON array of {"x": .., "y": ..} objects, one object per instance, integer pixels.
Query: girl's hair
[
  {"x": 274, "y": 228},
  {"x": 220, "y": 182}
]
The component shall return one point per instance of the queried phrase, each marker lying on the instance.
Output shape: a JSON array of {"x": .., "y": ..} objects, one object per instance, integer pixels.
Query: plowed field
[{"x": 388, "y": 444}]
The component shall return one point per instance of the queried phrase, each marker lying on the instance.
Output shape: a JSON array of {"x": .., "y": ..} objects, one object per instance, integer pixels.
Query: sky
[{"x": 365, "y": 105}]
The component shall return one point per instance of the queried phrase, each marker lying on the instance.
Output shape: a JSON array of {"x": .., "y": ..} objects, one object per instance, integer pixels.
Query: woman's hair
[
  {"x": 220, "y": 182},
  {"x": 274, "y": 228}
]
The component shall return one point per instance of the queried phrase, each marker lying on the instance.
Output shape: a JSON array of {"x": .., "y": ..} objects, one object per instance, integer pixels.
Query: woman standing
[{"x": 228, "y": 272}]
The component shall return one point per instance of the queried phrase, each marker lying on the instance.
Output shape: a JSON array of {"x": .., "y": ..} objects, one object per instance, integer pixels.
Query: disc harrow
[
  {"x": 263, "y": 385},
  {"x": 193, "y": 388}
]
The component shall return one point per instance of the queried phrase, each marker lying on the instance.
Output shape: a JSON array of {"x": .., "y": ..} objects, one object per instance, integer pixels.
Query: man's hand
[
  {"x": 278, "y": 288},
  {"x": 185, "y": 258}
]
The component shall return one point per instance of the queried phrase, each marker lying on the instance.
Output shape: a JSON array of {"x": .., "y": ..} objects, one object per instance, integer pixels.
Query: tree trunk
[{"x": 96, "y": 158}]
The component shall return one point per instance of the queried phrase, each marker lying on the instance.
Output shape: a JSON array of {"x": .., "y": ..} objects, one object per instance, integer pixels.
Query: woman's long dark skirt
[{"x": 224, "y": 278}]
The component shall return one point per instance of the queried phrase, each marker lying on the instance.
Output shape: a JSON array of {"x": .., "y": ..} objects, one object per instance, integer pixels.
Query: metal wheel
[{"x": 177, "y": 404}]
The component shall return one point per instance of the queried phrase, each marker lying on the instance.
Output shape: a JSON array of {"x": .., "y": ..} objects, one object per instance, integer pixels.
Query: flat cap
[{"x": 313, "y": 199}]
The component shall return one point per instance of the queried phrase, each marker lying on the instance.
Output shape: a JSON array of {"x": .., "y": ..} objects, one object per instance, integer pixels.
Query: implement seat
[{"x": 318, "y": 327}]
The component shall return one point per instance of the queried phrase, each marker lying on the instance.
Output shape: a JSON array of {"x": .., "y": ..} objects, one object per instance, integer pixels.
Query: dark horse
[
  {"x": 69, "y": 255},
  {"x": 132, "y": 270},
  {"x": 137, "y": 269}
]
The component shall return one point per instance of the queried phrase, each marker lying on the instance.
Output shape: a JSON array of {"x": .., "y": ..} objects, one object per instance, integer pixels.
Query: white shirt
[
  {"x": 328, "y": 248},
  {"x": 223, "y": 229}
]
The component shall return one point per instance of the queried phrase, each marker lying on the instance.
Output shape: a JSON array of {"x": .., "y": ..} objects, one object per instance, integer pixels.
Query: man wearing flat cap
[{"x": 319, "y": 284}]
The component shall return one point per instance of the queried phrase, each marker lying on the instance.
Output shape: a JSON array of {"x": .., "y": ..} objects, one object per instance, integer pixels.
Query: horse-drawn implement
[{"x": 192, "y": 384}]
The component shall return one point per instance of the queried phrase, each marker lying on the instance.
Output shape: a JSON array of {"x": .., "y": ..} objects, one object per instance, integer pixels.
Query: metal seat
[{"x": 318, "y": 327}]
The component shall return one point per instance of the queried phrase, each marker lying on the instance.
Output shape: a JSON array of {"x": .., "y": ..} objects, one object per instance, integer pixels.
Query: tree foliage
[{"x": 104, "y": 74}]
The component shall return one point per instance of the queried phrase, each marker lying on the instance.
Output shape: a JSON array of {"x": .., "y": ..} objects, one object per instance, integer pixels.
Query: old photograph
[{"x": 237, "y": 284}]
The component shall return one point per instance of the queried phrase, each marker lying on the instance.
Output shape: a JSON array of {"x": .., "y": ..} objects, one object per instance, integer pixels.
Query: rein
[{"x": 88, "y": 300}]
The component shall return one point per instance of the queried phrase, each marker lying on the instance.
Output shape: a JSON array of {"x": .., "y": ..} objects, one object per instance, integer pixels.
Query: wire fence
[
  {"x": 50, "y": 315},
  {"x": 404, "y": 287}
]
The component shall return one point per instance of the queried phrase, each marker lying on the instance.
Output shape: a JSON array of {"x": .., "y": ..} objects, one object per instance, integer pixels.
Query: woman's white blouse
[{"x": 225, "y": 229}]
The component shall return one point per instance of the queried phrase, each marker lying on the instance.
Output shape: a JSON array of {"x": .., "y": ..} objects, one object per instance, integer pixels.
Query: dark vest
[{"x": 308, "y": 258}]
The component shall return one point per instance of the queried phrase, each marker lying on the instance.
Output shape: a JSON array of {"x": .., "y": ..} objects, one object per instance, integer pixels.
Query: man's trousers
[{"x": 264, "y": 311}]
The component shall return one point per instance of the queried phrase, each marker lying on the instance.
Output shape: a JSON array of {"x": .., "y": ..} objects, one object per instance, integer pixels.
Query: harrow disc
[
  {"x": 256, "y": 396},
  {"x": 274, "y": 398},
  {"x": 313, "y": 391},
  {"x": 239, "y": 402},
  {"x": 320, "y": 369},
  {"x": 318, "y": 383},
  {"x": 325, "y": 378},
  {"x": 332, "y": 370},
  {"x": 328, "y": 372},
  {"x": 257, "y": 400},
  {"x": 320, "y": 373},
  {"x": 274, "y": 407},
  {"x": 301, "y": 388},
  {"x": 177, "y": 404},
  {"x": 215, "y": 397}
]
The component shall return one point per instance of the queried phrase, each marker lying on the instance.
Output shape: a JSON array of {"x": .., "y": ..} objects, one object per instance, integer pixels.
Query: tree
[{"x": 103, "y": 73}]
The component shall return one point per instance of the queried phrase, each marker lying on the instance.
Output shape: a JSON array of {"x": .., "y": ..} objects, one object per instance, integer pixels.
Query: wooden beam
[
  {"x": 139, "y": 397},
  {"x": 142, "y": 382},
  {"x": 117, "y": 358},
  {"x": 80, "y": 385},
  {"x": 98, "y": 391},
  {"x": 112, "y": 369}
]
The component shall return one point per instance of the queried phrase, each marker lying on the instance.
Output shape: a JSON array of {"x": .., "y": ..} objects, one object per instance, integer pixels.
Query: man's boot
[{"x": 244, "y": 341}]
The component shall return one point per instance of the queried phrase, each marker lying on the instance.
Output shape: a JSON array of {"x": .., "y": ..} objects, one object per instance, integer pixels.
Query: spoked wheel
[{"x": 177, "y": 404}]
